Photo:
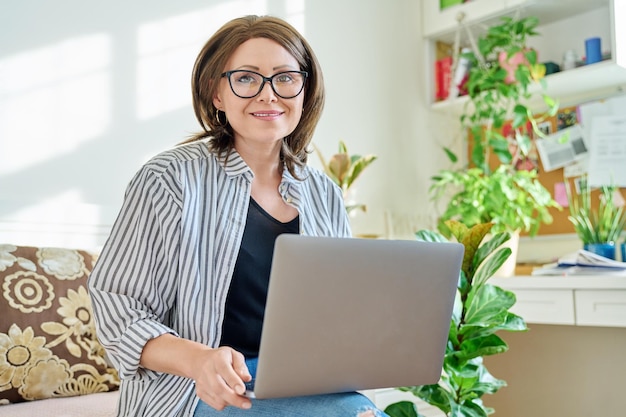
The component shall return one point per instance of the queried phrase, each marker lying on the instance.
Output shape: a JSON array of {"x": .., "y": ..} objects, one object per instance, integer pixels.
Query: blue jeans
[{"x": 349, "y": 404}]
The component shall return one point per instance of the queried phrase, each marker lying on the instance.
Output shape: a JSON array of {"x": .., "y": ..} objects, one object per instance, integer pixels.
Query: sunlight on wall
[
  {"x": 168, "y": 48},
  {"x": 294, "y": 14},
  {"x": 73, "y": 96},
  {"x": 63, "y": 220},
  {"x": 53, "y": 99}
]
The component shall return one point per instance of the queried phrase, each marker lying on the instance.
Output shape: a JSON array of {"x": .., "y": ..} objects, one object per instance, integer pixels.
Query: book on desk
[{"x": 582, "y": 262}]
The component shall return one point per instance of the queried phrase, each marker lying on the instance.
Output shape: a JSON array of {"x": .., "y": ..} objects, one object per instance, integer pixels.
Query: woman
[{"x": 179, "y": 289}]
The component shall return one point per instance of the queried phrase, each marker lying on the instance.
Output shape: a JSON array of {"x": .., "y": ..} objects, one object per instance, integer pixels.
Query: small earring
[{"x": 217, "y": 117}]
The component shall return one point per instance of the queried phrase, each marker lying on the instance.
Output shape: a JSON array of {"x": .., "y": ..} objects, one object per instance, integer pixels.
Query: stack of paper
[
  {"x": 583, "y": 262},
  {"x": 586, "y": 258}
]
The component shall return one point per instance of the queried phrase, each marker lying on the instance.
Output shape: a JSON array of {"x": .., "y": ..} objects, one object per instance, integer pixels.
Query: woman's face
[{"x": 265, "y": 118}]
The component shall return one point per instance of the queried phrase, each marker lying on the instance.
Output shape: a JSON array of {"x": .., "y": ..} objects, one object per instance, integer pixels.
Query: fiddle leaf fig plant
[
  {"x": 344, "y": 169},
  {"x": 480, "y": 311}
]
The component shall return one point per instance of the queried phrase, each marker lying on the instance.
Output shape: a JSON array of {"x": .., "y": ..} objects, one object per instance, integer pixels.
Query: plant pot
[
  {"x": 603, "y": 249},
  {"x": 510, "y": 64}
]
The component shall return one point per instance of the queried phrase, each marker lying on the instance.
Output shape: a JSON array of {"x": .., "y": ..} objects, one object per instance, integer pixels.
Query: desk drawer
[
  {"x": 545, "y": 306},
  {"x": 601, "y": 308}
]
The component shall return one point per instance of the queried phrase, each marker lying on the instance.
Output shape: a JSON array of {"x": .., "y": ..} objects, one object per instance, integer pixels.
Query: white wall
[{"x": 90, "y": 90}]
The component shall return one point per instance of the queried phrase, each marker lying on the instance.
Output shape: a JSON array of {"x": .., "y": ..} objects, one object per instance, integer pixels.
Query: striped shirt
[{"x": 167, "y": 265}]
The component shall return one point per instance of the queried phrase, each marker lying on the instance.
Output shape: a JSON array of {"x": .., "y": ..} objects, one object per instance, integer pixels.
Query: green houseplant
[
  {"x": 344, "y": 169},
  {"x": 601, "y": 225},
  {"x": 503, "y": 74},
  {"x": 480, "y": 311},
  {"x": 510, "y": 199},
  {"x": 499, "y": 183}
]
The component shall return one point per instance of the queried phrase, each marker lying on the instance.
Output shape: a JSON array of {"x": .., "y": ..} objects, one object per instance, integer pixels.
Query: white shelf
[
  {"x": 479, "y": 14},
  {"x": 564, "y": 24},
  {"x": 586, "y": 83}
]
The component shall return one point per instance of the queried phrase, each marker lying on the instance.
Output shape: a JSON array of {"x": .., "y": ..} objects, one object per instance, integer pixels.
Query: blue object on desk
[{"x": 603, "y": 249}]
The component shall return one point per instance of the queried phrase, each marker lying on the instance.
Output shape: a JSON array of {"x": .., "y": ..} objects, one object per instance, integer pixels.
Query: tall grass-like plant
[
  {"x": 602, "y": 225},
  {"x": 481, "y": 310}
]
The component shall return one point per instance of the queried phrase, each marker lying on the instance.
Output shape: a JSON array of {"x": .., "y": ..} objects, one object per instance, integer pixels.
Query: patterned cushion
[{"x": 48, "y": 346}]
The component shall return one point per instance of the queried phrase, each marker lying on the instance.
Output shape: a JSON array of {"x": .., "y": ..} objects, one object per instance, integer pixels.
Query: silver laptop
[{"x": 348, "y": 314}]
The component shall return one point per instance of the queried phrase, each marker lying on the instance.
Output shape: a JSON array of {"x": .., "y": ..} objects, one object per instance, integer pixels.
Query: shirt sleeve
[{"x": 133, "y": 283}]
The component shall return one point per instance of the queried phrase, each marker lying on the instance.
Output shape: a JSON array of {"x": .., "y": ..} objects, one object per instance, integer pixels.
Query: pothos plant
[
  {"x": 344, "y": 169},
  {"x": 480, "y": 311},
  {"x": 500, "y": 126},
  {"x": 503, "y": 73},
  {"x": 508, "y": 198}
]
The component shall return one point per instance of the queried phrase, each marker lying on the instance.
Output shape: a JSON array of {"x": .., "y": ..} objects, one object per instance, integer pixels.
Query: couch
[{"x": 51, "y": 363}]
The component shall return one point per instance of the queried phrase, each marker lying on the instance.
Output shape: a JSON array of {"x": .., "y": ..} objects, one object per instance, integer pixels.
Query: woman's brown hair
[{"x": 211, "y": 63}]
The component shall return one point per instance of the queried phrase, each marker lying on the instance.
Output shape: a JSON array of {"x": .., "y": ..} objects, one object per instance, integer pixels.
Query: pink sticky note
[{"x": 560, "y": 194}]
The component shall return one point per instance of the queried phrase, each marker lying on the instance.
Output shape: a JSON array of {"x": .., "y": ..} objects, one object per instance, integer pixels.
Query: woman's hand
[
  {"x": 220, "y": 377},
  {"x": 220, "y": 374}
]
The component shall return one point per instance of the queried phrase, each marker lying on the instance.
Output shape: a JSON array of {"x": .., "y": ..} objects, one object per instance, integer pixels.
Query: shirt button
[{"x": 289, "y": 200}]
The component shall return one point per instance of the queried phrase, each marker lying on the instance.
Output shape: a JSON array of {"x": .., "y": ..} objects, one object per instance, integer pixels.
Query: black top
[{"x": 245, "y": 303}]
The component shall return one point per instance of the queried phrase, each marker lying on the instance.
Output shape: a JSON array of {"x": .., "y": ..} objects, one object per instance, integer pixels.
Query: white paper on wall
[{"x": 607, "y": 156}]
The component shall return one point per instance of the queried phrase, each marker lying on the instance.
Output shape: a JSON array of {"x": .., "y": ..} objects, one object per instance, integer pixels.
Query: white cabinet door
[
  {"x": 601, "y": 308},
  {"x": 545, "y": 306}
]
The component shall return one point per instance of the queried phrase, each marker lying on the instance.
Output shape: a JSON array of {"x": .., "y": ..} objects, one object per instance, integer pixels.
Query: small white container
[{"x": 569, "y": 60}]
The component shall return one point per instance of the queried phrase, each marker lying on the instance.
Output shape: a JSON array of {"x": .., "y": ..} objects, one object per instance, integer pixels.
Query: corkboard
[{"x": 554, "y": 179}]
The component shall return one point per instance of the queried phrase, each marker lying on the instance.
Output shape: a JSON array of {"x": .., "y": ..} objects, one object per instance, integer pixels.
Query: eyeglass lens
[{"x": 247, "y": 84}]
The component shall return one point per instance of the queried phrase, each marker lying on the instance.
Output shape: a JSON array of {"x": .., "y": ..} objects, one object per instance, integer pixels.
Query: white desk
[
  {"x": 572, "y": 300},
  {"x": 570, "y": 362}
]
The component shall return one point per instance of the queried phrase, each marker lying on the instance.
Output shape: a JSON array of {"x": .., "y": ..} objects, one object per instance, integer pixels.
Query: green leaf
[
  {"x": 433, "y": 394},
  {"x": 402, "y": 409},
  {"x": 358, "y": 164},
  {"x": 469, "y": 409},
  {"x": 451, "y": 155},
  {"x": 487, "y": 304},
  {"x": 343, "y": 149},
  {"x": 430, "y": 236},
  {"x": 513, "y": 323},
  {"x": 520, "y": 115},
  {"x": 491, "y": 266},
  {"x": 481, "y": 346},
  {"x": 524, "y": 143}
]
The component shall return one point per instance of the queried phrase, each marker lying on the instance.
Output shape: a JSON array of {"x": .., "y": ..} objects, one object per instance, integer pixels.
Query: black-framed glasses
[{"x": 248, "y": 84}]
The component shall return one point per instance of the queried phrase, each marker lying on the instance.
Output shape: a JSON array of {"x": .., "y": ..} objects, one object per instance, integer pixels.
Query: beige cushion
[
  {"x": 93, "y": 405},
  {"x": 48, "y": 345}
]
